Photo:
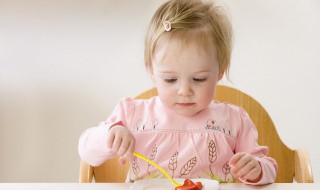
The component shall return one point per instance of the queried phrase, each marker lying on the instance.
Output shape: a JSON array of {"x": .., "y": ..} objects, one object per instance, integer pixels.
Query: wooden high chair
[{"x": 292, "y": 164}]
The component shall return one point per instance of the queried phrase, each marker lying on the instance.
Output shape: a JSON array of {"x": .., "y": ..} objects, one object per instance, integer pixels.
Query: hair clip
[{"x": 167, "y": 25}]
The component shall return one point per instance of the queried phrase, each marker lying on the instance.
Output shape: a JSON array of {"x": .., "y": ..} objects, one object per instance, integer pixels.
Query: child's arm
[
  {"x": 96, "y": 146},
  {"x": 258, "y": 168},
  {"x": 92, "y": 145},
  {"x": 112, "y": 137}
]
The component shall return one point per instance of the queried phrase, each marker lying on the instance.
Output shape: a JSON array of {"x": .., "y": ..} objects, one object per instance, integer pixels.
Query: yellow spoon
[{"x": 175, "y": 183}]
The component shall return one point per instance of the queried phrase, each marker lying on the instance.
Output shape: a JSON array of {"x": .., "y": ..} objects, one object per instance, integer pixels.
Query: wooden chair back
[{"x": 292, "y": 164}]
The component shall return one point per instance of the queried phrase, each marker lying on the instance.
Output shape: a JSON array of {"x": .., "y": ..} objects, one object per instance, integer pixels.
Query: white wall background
[{"x": 65, "y": 63}]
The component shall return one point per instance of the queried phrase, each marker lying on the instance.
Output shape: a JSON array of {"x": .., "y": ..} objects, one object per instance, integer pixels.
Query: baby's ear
[
  {"x": 221, "y": 75},
  {"x": 153, "y": 79},
  {"x": 152, "y": 76},
  {"x": 221, "y": 72}
]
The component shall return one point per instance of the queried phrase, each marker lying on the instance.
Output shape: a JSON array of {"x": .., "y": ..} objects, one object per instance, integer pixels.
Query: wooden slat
[{"x": 111, "y": 171}]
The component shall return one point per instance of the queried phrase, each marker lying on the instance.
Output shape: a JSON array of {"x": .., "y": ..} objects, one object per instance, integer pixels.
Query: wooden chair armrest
[
  {"x": 86, "y": 173},
  {"x": 302, "y": 166}
]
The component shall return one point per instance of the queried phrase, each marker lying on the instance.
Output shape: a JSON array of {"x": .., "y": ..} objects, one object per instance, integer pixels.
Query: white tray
[{"x": 165, "y": 184}]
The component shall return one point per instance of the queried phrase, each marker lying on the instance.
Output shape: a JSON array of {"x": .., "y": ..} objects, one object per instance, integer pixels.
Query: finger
[
  {"x": 235, "y": 158},
  {"x": 242, "y": 171},
  {"x": 124, "y": 146},
  {"x": 243, "y": 161},
  {"x": 130, "y": 149},
  {"x": 240, "y": 167},
  {"x": 116, "y": 143},
  {"x": 122, "y": 160},
  {"x": 110, "y": 139},
  {"x": 253, "y": 174}
]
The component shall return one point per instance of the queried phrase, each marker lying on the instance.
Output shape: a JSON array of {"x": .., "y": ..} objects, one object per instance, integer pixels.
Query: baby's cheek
[{"x": 167, "y": 98}]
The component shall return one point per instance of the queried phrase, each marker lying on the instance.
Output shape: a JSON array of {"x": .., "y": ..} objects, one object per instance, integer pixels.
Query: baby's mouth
[{"x": 186, "y": 104}]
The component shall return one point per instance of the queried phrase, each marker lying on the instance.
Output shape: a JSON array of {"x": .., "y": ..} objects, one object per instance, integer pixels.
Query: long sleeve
[
  {"x": 92, "y": 145},
  {"x": 247, "y": 142}
]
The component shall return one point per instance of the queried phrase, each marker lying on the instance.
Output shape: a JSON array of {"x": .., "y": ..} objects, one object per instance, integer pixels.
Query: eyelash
[
  {"x": 170, "y": 80},
  {"x": 198, "y": 80}
]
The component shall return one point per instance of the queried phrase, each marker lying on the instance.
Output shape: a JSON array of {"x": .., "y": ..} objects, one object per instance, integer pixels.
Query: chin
[{"x": 187, "y": 114}]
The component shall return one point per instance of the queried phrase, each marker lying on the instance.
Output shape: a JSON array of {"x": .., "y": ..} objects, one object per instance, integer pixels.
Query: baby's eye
[
  {"x": 170, "y": 80},
  {"x": 199, "y": 79}
]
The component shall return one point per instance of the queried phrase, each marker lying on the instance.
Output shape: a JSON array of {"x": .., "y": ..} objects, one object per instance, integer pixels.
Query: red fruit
[
  {"x": 199, "y": 185},
  {"x": 188, "y": 182},
  {"x": 189, "y": 185}
]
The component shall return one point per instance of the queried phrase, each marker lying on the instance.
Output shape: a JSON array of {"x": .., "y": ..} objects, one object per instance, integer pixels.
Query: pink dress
[{"x": 186, "y": 147}]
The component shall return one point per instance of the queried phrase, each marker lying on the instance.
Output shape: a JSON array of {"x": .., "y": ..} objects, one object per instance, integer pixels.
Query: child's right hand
[{"x": 121, "y": 141}]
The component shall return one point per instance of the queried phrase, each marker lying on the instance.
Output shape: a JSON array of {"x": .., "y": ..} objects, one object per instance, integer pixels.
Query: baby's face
[{"x": 185, "y": 76}]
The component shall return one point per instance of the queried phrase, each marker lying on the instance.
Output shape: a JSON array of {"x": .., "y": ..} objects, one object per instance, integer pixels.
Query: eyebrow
[
  {"x": 203, "y": 71},
  {"x": 170, "y": 72}
]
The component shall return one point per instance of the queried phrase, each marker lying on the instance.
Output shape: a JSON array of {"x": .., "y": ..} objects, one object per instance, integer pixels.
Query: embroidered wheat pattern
[
  {"x": 226, "y": 170},
  {"x": 173, "y": 162},
  {"x": 135, "y": 167},
  {"x": 212, "y": 154},
  {"x": 152, "y": 156},
  {"x": 186, "y": 169}
]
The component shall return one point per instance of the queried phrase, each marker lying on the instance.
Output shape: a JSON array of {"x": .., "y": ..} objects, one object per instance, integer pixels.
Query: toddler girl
[{"x": 187, "y": 51}]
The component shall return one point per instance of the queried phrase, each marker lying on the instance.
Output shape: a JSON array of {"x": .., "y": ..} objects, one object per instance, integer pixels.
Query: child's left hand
[{"x": 245, "y": 167}]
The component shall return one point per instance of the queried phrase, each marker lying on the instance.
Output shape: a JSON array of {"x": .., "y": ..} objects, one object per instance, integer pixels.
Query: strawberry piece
[{"x": 190, "y": 185}]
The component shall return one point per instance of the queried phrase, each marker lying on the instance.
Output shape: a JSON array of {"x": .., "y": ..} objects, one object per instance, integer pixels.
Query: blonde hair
[{"x": 177, "y": 17}]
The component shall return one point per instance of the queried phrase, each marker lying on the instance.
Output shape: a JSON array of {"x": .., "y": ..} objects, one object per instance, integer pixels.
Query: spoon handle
[{"x": 175, "y": 183}]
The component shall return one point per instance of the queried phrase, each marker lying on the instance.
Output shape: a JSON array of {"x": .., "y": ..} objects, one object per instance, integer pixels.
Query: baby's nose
[{"x": 185, "y": 90}]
